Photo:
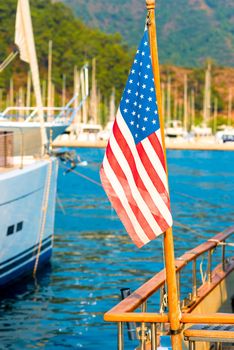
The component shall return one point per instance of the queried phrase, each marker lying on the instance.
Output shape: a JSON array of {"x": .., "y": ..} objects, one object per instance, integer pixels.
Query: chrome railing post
[
  {"x": 194, "y": 294},
  {"x": 223, "y": 256},
  {"x": 143, "y": 327},
  {"x": 120, "y": 336},
  {"x": 209, "y": 266},
  {"x": 153, "y": 336}
]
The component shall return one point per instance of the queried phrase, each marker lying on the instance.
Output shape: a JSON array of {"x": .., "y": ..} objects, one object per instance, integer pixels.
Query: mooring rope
[
  {"x": 82, "y": 175},
  {"x": 44, "y": 212},
  {"x": 221, "y": 243}
]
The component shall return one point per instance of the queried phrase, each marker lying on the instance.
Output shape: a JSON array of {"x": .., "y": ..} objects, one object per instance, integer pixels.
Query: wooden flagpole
[{"x": 173, "y": 302}]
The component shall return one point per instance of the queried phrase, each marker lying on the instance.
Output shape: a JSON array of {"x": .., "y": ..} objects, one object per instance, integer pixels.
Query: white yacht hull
[{"x": 26, "y": 229}]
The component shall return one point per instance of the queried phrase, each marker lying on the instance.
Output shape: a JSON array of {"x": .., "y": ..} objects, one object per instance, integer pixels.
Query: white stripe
[
  {"x": 154, "y": 159},
  {"x": 131, "y": 182},
  {"x": 110, "y": 174},
  {"x": 165, "y": 212},
  {"x": 159, "y": 135}
]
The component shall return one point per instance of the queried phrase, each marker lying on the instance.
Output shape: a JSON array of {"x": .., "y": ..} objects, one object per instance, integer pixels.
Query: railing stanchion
[
  {"x": 120, "y": 336},
  {"x": 209, "y": 266},
  {"x": 223, "y": 256},
  {"x": 194, "y": 295},
  {"x": 153, "y": 336}
]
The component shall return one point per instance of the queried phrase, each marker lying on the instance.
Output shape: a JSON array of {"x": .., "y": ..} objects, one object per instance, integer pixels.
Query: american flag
[{"x": 133, "y": 172}]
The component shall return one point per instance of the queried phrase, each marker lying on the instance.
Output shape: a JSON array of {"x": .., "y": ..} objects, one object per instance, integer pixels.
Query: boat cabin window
[
  {"x": 19, "y": 226},
  {"x": 10, "y": 230}
]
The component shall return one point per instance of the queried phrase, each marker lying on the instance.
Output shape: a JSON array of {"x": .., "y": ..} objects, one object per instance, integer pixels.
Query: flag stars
[{"x": 138, "y": 106}]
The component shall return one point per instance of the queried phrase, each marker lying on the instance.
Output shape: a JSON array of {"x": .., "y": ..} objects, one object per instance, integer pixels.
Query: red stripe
[
  {"x": 146, "y": 227},
  {"x": 117, "y": 205},
  {"x": 156, "y": 180},
  {"x": 139, "y": 183},
  {"x": 156, "y": 144}
]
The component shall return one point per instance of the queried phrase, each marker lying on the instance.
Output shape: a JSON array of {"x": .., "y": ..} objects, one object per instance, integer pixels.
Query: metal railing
[{"x": 151, "y": 323}]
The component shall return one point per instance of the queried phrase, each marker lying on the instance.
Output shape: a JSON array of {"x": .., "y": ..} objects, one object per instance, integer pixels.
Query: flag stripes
[{"x": 122, "y": 172}]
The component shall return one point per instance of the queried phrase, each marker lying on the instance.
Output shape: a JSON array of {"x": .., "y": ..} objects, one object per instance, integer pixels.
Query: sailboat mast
[
  {"x": 174, "y": 312},
  {"x": 49, "y": 89},
  {"x": 185, "y": 102},
  {"x": 25, "y": 41}
]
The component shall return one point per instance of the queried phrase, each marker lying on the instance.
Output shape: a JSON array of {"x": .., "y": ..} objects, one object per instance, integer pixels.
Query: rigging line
[
  {"x": 197, "y": 199},
  {"x": 84, "y": 176},
  {"x": 177, "y": 223},
  {"x": 8, "y": 60}
]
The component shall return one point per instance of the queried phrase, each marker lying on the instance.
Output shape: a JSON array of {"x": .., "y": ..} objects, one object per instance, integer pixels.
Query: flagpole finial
[{"x": 150, "y": 4}]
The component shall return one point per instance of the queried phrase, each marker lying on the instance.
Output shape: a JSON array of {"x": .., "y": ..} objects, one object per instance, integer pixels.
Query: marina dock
[{"x": 170, "y": 144}]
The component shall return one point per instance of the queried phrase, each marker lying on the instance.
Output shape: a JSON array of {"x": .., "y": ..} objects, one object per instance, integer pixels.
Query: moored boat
[
  {"x": 28, "y": 170},
  {"x": 28, "y": 196}
]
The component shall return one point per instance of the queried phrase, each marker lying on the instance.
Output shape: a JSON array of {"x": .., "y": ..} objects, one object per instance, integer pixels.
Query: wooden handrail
[
  {"x": 150, "y": 317},
  {"x": 137, "y": 317},
  {"x": 139, "y": 296},
  {"x": 217, "y": 318}
]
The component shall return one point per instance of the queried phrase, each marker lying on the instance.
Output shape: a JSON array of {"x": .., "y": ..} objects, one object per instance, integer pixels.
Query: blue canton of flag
[{"x": 138, "y": 104}]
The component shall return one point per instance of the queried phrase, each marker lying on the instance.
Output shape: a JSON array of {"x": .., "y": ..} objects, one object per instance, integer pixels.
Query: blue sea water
[{"x": 93, "y": 257}]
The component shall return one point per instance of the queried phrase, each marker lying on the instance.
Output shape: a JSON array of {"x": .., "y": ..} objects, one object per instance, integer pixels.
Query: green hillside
[
  {"x": 189, "y": 31},
  {"x": 73, "y": 44}
]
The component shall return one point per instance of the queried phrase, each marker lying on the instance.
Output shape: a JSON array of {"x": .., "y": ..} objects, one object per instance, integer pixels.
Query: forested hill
[
  {"x": 189, "y": 31},
  {"x": 73, "y": 45}
]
